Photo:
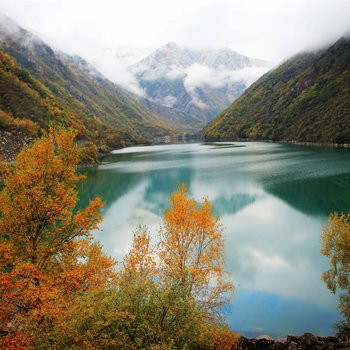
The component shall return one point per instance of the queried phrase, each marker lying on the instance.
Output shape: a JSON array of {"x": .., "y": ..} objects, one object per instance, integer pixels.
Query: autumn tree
[
  {"x": 138, "y": 294},
  {"x": 59, "y": 291},
  {"x": 192, "y": 252},
  {"x": 336, "y": 246},
  {"x": 191, "y": 262},
  {"x": 48, "y": 262},
  {"x": 177, "y": 289}
]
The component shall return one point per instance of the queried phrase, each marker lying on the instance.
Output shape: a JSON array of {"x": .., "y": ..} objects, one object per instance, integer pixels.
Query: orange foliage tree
[
  {"x": 336, "y": 246},
  {"x": 191, "y": 262},
  {"x": 48, "y": 262},
  {"x": 192, "y": 252},
  {"x": 59, "y": 291},
  {"x": 177, "y": 290}
]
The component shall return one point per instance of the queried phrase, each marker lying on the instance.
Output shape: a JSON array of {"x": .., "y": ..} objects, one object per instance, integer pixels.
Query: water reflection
[{"x": 272, "y": 200}]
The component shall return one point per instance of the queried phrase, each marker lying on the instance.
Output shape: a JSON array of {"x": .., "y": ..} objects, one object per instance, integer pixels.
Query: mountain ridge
[
  {"x": 195, "y": 84},
  {"x": 101, "y": 110},
  {"x": 305, "y": 99}
]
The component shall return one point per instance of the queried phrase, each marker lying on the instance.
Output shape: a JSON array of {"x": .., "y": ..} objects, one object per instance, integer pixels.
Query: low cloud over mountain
[{"x": 196, "y": 83}]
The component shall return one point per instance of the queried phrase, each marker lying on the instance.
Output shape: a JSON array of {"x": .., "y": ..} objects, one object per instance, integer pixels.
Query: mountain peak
[
  {"x": 11, "y": 30},
  {"x": 171, "y": 46},
  {"x": 196, "y": 84}
]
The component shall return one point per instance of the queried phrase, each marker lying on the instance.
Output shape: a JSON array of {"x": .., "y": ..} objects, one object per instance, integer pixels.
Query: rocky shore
[{"x": 305, "y": 342}]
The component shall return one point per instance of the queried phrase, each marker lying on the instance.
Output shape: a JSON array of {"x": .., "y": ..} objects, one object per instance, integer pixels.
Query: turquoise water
[{"x": 272, "y": 200}]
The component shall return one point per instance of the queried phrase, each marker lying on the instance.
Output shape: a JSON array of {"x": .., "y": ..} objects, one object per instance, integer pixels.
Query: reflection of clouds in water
[
  {"x": 267, "y": 261},
  {"x": 266, "y": 254},
  {"x": 272, "y": 245},
  {"x": 122, "y": 218},
  {"x": 218, "y": 184}
]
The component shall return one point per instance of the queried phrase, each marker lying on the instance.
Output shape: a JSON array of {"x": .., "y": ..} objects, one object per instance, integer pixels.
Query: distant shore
[{"x": 293, "y": 142}]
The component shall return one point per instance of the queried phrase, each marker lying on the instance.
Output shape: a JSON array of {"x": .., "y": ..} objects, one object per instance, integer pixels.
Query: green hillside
[
  {"x": 305, "y": 99},
  {"x": 23, "y": 97},
  {"x": 41, "y": 85}
]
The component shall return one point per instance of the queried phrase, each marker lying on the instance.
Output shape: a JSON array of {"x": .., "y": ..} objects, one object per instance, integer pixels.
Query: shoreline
[
  {"x": 292, "y": 142},
  {"x": 316, "y": 144},
  {"x": 303, "y": 342}
]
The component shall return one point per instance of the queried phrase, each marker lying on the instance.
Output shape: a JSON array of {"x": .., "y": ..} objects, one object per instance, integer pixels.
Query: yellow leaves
[
  {"x": 191, "y": 245},
  {"x": 15, "y": 341},
  {"x": 48, "y": 261},
  {"x": 27, "y": 125},
  {"x": 222, "y": 339},
  {"x": 59, "y": 290},
  {"x": 176, "y": 289},
  {"x": 336, "y": 246},
  {"x": 141, "y": 255},
  {"x": 39, "y": 198},
  {"x": 89, "y": 218}
]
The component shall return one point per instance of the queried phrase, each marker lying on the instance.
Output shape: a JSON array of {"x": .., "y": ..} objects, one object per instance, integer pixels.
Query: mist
[{"x": 112, "y": 35}]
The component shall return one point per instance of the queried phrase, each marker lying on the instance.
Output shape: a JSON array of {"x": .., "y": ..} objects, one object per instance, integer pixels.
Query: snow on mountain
[{"x": 197, "y": 83}]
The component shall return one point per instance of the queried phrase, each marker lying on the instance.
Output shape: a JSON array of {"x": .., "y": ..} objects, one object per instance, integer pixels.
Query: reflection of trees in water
[
  {"x": 111, "y": 185},
  {"x": 108, "y": 184},
  {"x": 161, "y": 184},
  {"x": 304, "y": 180},
  {"x": 289, "y": 181},
  {"x": 315, "y": 196}
]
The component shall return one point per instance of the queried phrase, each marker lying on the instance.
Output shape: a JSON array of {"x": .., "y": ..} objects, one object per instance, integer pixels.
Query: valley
[{"x": 159, "y": 190}]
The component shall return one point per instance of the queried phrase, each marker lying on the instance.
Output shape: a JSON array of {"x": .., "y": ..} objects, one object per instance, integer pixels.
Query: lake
[{"x": 272, "y": 200}]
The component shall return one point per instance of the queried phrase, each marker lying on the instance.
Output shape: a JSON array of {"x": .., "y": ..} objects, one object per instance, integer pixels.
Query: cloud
[
  {"x": 198, "y": 75},
  {"x": 175, "y": 72},
  {"x": 116, "y": 70},
  {"x": 169, "y": 101},
  {"x": 273, "y": 261},
  {"x": 268, "y": 29},
  {"x": 9, "y": 27},
  {"x": 151, "y": 73},
  {"x": 248, "y": 74}
]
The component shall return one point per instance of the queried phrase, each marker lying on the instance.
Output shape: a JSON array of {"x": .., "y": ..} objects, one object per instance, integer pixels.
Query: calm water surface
[{"x": 272, "y": 200}]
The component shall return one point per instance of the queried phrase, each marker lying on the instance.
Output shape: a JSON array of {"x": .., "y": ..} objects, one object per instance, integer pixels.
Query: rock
[
  {"x": 252, "y": 344},
  {"x": 307, "y": 341},
  {"x": 12, "y": 142},
  {"x": 265, "y": 336}
]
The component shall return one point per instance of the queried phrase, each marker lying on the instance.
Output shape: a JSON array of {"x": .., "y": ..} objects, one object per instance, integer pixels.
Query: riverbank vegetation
[
  {"x": 58, "y": 290},
  {"x": 336, "y": 246},
  {"x": 305, "y": 99},
  {"x": 39, "y": 87}
]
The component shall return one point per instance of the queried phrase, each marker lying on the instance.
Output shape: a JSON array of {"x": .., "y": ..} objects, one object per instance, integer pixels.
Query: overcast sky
[{"x": 100, "y": 29}]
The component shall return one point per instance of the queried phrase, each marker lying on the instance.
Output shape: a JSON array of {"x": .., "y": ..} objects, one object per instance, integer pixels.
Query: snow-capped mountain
[{"x": 192, "y": 86}]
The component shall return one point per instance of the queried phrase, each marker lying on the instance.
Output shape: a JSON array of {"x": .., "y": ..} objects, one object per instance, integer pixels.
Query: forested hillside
[
  {"x": 305, "y": 99},
  {"x": 43, "y": 86}
]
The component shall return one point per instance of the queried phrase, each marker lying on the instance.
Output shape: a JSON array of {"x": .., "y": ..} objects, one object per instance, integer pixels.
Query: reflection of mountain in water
[
  {"x": 315, "y": 196},
  {"x": 272, "y": 200},
  {"x": 110, "y": 185},
  {"x": 233, "y": 204},
  {"x": 106, "y": 184}
]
